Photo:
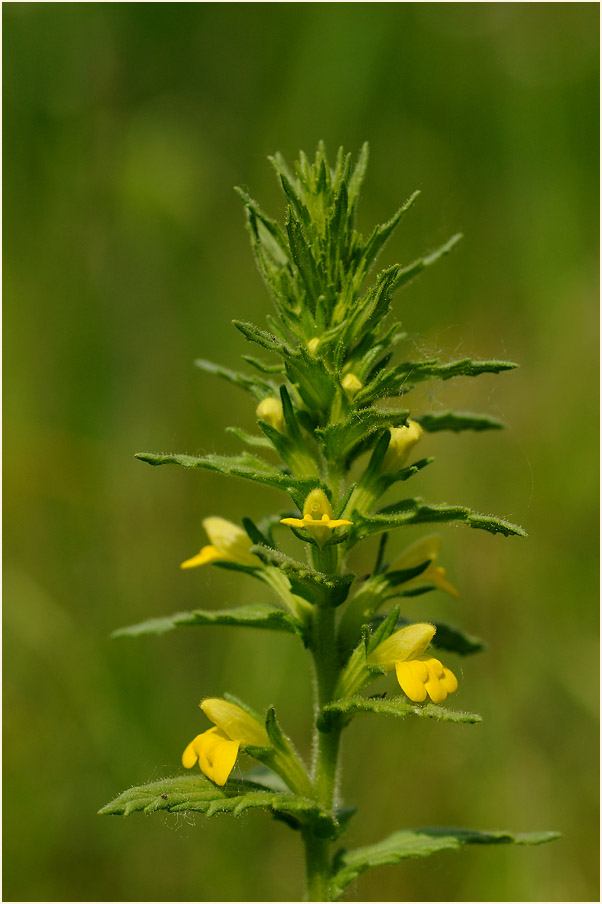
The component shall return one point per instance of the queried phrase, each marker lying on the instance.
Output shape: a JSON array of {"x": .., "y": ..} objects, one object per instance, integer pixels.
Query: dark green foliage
[
  {"x": 420, "y": 843},
  {"x": 392, "y": 706},
  {"x": 253, "y": 615},
  {"x": 196, "y": 794}
]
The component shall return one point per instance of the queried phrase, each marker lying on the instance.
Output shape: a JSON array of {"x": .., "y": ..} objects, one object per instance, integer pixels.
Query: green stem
[
  {"x": 317, "y": 863},
  {"x": 327, "y": 744}
]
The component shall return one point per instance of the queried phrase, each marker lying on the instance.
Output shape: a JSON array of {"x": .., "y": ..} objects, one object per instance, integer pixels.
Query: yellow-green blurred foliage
[{"x": 126, "y": 126}]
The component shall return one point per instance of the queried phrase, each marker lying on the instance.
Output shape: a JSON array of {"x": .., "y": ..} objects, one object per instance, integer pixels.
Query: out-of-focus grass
[{"x": 125, "y": 127}]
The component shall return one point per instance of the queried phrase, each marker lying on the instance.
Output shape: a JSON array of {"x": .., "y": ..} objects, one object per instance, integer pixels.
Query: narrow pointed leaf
[
  {"x": 253, "y": 615},
  {"x": 415, "y": 511},
  {"x": 457, "y": 421},
  {"x": 392, "y": 706},
  {"x": 420, "y": 843},
  {"x": 261, "y": 389},
  {"x": 247, "y": 466}
]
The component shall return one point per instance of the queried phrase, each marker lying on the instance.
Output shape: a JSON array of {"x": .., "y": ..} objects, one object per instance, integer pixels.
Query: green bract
[{"x": 328, "y": 400}]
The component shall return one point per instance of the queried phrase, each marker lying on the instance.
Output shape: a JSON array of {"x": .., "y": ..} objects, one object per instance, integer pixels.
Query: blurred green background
[{"x": 126, "y": 126}]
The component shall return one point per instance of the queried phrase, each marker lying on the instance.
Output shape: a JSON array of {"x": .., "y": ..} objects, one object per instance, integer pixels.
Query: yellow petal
[
  {"x": 424, "y": 550},
  {"x": 234, "y": 722},
  {"x": 402, "y": 440},
  {"x": 412, "y": 677},
  {"x": 434, "y": 686},
  {"x": 436, "y": 575},
  {"x": 270, "y": 410},
  {"x": 317, "y": 504},
  {"x": 206, "y": 555},
  {"x": 449, "y": 681},
  {"x": 409, "y": 643},
  {"x": 351, "y": 384},
  {"x": 190, "y": 756},
  {"x": 217, "y": 755},
  {"x": 230, "y": 541},
  {"x": 293, "y": 522}
]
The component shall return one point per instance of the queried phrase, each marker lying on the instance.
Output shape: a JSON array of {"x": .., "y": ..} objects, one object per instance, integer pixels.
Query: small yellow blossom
[
  {"x": 402, "y": 440},
  {"x": 313, "y": 344},
  {"x": 351, "y": 384},
  {"x": 317, "y": 516},
  {"x": 426, "y": 549},
  {"x": 270, "y": 411},
  {"x": 418, "y": 672},
  {"x": 229, "y": 543},
  {"x": 217, "y": 748}
]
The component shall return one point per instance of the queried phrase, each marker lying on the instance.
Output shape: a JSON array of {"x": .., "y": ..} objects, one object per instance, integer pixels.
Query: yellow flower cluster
[{"x": 418, "y": 672}]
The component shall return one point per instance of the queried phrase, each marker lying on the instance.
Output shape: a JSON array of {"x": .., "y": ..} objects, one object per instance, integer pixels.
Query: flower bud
[
  {"x": 402, "y": 441},
  {"x": 406, "y": 644},
  {"x": 270, "y": 411},
  {"x": 351, "y": 384},
  {"x": 235, "y": 722}
]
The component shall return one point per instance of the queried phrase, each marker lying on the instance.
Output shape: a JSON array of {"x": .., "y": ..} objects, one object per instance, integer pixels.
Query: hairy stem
[{"x": 317, "y": 850}]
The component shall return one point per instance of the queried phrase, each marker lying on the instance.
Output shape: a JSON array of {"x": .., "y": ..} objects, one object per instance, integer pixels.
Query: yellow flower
[
  {"x": 351, "y": 384},
  {"x": 313, "y": 344},
  {"x": 426, "y": 549},
  {"x": 418, "y": 672},
  {"x": 317, "y": 516},
  {"x": 229, "y": 543},
  {"x": 217, "y": 748},
  {"x": 270, "y": 411},
  {"x": 402, "y": 440}
]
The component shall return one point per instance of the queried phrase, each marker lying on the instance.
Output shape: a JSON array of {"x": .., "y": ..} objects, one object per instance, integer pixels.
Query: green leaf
[
  {"x": 415, "y": 511},
  {"x": 196, "y": 794},
  {"x": 417, "y": 266},
  {"x": 261, "y": 337},
  {"x": 420, "y": 843},
  {"x": 247, "y": 466},
  {"x": 456, "y": 421},
  {"x": 393, "y": 706},
  {"x": 261, "y": 389},
  {"x": 253, "y": 615},
  {"x": 403, "y": 377}
]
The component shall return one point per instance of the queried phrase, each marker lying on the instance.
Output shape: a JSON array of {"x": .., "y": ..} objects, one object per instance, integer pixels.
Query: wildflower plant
[{"x": 331, "y": 403}]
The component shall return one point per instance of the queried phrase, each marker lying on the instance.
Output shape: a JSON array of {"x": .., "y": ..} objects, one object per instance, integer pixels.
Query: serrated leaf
[
  {"x": 420, "y": 843},
  {"x": 253, "y": 615},
  {"x": 196, "y": 794},
  {"x": 392, "y": 706},
  {"x": 247, "y": 466},
  {"x": 405, "y": 376},
  {"x": 456, "y": 421},
  {"x": 415, "y": 511}
]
